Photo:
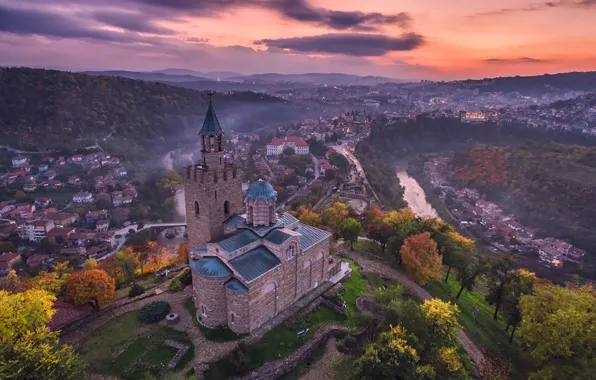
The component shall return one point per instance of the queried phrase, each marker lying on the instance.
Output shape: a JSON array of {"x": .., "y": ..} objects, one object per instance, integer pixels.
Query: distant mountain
[
  {"x": 49, "y": 109},
  {"x": 215, "y": 75},
  {"x": 151, "y": 76},
  {"x": 575, "y": 81},
  {"x": 316, "y": 78}
]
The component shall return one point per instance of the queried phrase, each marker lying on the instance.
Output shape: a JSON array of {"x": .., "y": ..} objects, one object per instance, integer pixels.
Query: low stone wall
[{"x": 275, "y": 369}]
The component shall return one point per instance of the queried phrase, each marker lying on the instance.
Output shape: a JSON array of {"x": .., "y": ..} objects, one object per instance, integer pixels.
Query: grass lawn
[
  {"x": 354, "y": 287},
  {"x": 128, "y": 348},
  {"x": 148, "y": 282},
  {"x": 220, "y": 334},
  {"x": 483, "y": 329},
  {"x": 277, "y": 343}
]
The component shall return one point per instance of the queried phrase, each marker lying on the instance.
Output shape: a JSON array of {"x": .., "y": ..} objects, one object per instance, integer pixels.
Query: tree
[
  {"x": 61, "y": 269},
  {"x": 394, "y": 247},
  {"x": 403, "y": 221},
  {"x": 442, "y": 320},
  {"x": 11, "y": 283},
  {"x": 168, "y": 181},
  {"x": 47, "y": 281},
  {"x": 500, "y": 273},
  {"x": 522, "y": 284},
  {"x": 20, "y": 196},
  {"x": 93, "y": 286},
  {"x": 391, "y": 357},
  {"x": 557, "y": 325},
  {"x": 90, "y": 264},
  {"x": 468, "y": 271},
  {"x": 453, "y": 248},
  {"x": 495, "y": 366},
  {"x": 419, "y": 253},
  {"x": 334, "y": 216},
  {"x": 350, "y": 230},
  {"x": 29, "y": 350},
  {"x": 289, "y": 151},
  {"x": 308, "y": 216}
]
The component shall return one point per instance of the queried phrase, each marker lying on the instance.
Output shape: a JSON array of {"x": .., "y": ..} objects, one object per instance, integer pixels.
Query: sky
[{"x": 407, "y": 39}]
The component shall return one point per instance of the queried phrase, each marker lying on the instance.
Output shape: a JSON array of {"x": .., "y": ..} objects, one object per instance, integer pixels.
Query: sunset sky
[{"x": 410, "y": 39}]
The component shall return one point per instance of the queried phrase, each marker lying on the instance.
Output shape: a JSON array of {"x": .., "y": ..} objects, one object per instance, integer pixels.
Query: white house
[
  {"x": 83, "y": 197},
  {"x": 372, "y": 103},
  {"x": 277, "y": 146},
  {"x": 19, "y": 161}
]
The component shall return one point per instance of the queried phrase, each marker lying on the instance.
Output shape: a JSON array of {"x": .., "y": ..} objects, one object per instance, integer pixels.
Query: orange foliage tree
[
  {"x": 420, "y": 254},
  {"x": 93, "y": 286}
]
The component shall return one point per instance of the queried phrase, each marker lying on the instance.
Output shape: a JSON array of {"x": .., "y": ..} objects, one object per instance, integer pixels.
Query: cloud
[
  {"x": 197, "y": 40},
  {"x": 133, "y": 21},
  {"x": 581, "y": 4},
  {"x": 359, "y": 45},
  {"x": 515, "y": 60},
  {"x": 33, "y": 22}
]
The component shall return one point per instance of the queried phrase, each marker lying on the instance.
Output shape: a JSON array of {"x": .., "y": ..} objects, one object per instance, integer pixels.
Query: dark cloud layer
[
  {"x": 33, "y": 22},
  {"x": 515, "y": 60},
  {"x": 359, "y": 45},
  {"x": 580, "y": 4}
]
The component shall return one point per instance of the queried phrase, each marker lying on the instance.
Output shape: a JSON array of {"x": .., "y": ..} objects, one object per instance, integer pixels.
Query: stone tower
[{"x": 213, "y": 187}]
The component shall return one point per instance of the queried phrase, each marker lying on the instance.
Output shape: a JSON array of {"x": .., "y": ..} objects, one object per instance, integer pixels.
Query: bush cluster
[
  {"x": 154, "y": 312},
  {"x": 136, "y": 290}
]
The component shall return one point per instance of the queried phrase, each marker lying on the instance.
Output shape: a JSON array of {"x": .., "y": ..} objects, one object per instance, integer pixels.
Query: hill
[
  {"x": 575, "y": 81},
  {"x": 549, "y": 186},
  {"x": 154, "y": 76},
  {"x": 316, "y": 78},
  {"x": 42, "y": 109},
  {"x": 214, "y": 75}
]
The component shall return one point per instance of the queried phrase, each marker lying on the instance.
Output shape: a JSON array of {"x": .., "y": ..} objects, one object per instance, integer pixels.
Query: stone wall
[
  {"x": 238, "y": 307},
  {"x": 263, "y": 297},
  {"x": 211, "y": 188},
  {"x": 211, "y": 293}
]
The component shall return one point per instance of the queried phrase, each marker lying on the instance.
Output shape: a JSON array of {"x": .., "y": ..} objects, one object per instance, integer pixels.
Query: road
[
  {"x": 317, "y": 167},
  {"x": 268, "y": 167}
]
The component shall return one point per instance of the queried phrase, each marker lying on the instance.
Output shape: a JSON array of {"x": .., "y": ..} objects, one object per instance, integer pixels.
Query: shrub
[
  {"x": 186, "y": 278},
  {"x": 154, "y": 312},
  {"x": 181, "y": 280},
  {"x": 136, "y": 290}
]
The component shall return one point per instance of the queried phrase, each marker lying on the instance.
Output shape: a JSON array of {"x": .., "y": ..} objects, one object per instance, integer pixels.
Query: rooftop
[
  {"x": 234, "y": 285},
  {"x": 253, "y": 264},
  {"x": 211, "y": 124},
  {"x": 277, "y": 237},
  {"x": 211, "y": 266},
  {"x": 260, "y": 190},
  {"x": 311, "y": 235},
  {"x": 289, "y": 139},
  {"x": 238, "y": 241}
]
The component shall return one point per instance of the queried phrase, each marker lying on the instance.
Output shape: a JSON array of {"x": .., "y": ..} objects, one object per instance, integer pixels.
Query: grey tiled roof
[
  {"x": 238, "y": 221},
  {"x": 234, "y": 221},
  {"x": 211, "y": 267},
  {"x": 277, "y": 237},
  {"x": 202, "y": 248},
  {"x": 211, "y": 123},
  {"x": 311, "y": 235},
  {"x": 234, "y": 285},
  {"x": 238, "y": 241},
  {"x": 255, "y": 263}
]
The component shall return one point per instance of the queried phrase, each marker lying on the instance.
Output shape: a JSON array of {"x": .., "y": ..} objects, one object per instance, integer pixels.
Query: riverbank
[{"x": 414, "y": 194}]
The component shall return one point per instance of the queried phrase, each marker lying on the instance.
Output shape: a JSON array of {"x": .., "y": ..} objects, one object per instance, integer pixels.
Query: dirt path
[
  {"x": 323, "y": 368},
  {"x": 372, "y": 266}
]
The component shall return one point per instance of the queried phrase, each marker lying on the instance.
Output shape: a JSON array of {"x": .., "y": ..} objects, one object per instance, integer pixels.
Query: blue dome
[
  {"x": 260, "y": 190},
  {"x": 211, "y": 267}
]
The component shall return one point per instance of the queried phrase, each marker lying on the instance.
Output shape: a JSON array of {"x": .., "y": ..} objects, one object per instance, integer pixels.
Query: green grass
[
  {"x": 148, "y": 282},
  {"x": 354, "y": 287},
  {"x": 127, "y": 348},
  {"x": 303, "y": 368},
  {"x": 483, "y": 329},
  {"x": 275, "y": 344},
  {"x": 219, "y": 334}
]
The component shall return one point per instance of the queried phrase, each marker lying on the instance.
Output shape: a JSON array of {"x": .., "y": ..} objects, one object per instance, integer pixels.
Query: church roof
[
  {"x": 255, "y": 263},
  {"x": 260, "y": 190},
  {"x": 211, "y": 123},
  {"x": 201, "y": 249},
  {"x": 239, "y": 222},
  {"x": 211, "y": 267},
  {"x": 238, "y": 241},
  {"x": 234, "y": 285},
  {"x": 311, "y": 235},
  {"x": 277, "y": 237}
]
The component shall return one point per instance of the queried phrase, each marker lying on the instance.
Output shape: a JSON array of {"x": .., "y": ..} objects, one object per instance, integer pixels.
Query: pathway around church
[{"x": 372, "y": 266}]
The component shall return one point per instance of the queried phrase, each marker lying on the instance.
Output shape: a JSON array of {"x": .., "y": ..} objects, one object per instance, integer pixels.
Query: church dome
[{"x": 260, "y": 190}]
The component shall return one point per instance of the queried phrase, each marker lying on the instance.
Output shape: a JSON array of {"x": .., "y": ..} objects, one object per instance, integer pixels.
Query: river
[
  {"x": 179, "y": 199},
  {"x": 414, "y": 195}
]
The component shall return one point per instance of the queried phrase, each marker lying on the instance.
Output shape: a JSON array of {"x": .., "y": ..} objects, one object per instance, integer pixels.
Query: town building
[
  {"x": 277, "y": 146},
  {"x": 82, "y": 197},
  {"x": 19, "y": 161},
  {"x": 35, "y": 231},
  {"x": 248, "y": 262},
  {"x": 7, "y": 260}
]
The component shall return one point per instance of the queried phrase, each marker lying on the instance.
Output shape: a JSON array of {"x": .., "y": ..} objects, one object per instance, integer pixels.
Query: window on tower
[
  {"x": 197, "y": 208},
  {"x": 226, "y": 208}
]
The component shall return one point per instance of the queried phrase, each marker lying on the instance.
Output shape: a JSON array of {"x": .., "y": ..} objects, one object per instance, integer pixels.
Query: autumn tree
[
  {"x": 403, "y": 221},
  {"x": 93, "y": 286},
  {"x": 442, "y": 319},
  {"x": 48, "y": 281},
  {"x": 309, "y": 217},
  {"x": 29, "y": 350},
  {"x": 419, "y": 253},
  {"x": 11, "y": 283},
  {"x": 522, "y": 283},
  {"x": 168, "y": 181},
  {"x": 350, "y": 230},
  {"x": 20, "y": 196},
  {"x": 500, "y": 273},
  {"x": 454, "y": 248},
  {"x": 394, "y": 248},
  {"x": 390, "y": 357},
  {"x": 557, "y": 325},
  {"x": 91, "y": 264},
  {"x": 334, "y": 215},
  {"x": 495, "y": 366}
]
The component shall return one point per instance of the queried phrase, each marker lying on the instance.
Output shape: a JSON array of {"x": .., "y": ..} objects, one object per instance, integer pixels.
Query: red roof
[{"x": 296, "y": 140}]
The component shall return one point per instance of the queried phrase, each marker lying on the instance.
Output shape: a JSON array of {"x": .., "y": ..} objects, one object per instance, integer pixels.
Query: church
[{"x": 249, "y": 262}]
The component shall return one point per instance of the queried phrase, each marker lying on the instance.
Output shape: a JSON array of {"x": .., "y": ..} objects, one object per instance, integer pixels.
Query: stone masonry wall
[
  {"x": 263, "y": 298},
  {"x": 211, "y": 189},
  {"x": 238, "y": 305},
  {"x": 211, "y": 293}
]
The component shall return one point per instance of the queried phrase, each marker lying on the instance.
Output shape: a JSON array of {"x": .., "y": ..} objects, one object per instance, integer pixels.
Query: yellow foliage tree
[
  {"x": 403, "y": 221},
  {"x": 558, "y": 325},
  {"x": 47, "y": 281},
  {"x": 11, "y": 283},
  {"x": 24, "y": 311},
  {"x": 91, "y": 264},
  {"x": 308, "y": 217},
  {"x": 420, "y": 254},
  {"x": 90, "y": 286},
  {"x": 442, "y": 320},
  {"x": 334, "y": 215}
]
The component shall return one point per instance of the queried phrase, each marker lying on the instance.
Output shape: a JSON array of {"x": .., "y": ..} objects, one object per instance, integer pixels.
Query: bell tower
[{"x": 213, "y": 187}]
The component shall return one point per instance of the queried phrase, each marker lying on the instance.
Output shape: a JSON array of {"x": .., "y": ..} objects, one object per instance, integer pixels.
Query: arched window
[
  {"x": 204, "y": 310},
  {"x": 226, "y": 208},
  {"x": 211, "y": 143},
  {"x": 215, "y": 177},
  {"x": 232, "y": 317},
  {"x": 291, "y": 252},
  {"x": 197, "y": 208},
  {"x": 215, "y": 194}
]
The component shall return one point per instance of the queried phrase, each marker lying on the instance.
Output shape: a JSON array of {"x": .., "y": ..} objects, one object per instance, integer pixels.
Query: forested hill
[
  {"x": 41, "y": 109},
  {"x": 550, "y": 186}
]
